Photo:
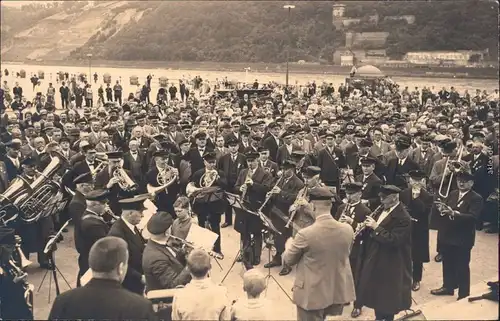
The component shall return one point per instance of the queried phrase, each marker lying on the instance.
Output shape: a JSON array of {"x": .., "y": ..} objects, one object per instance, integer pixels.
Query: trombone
[{"x": 457, "y": 167}]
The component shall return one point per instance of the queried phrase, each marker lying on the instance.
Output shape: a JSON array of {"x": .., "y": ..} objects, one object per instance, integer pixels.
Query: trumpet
[
  {"x": 124, "y": 181},
  {"x": 457, "y": 167},
  {"x": 98, "y": 168},
  {"x": 444, "y": 210}
]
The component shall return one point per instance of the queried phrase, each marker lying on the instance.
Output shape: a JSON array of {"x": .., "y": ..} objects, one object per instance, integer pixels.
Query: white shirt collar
[{"x": 130, "y": 226}]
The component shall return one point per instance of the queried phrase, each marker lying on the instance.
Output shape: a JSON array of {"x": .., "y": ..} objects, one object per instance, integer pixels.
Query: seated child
[{"x": 253, "y": 307}]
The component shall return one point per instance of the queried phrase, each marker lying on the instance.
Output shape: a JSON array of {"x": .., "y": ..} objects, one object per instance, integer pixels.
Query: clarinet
[{"x": 362, "y": 226}]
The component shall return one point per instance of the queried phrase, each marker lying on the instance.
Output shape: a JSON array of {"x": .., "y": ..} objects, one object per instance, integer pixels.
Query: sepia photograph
[{"x": 249, "y": 160}]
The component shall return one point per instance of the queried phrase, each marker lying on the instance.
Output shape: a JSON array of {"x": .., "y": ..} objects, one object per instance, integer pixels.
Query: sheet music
[
  {"x": 86, "y": 277},
  {"x": 201, "y": 237},
  {"x": 150, "y": 210}
]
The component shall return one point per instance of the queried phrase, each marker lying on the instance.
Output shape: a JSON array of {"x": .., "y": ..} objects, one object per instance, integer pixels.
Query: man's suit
[
  {"x": 283, "y": 153},
  {"x": 90, "y": 228},
  {"x": 120, "y": 140},
  {"x": 394, "y": 172},
  {"x": 423, "y": 159},
  {"x": 323, "y": 276},
  {"x": 380, "y": 150},
  {"x": 231, "y": 169},
  {"x": 483, "y": 182},
  {"x": 370, "y": 189},
  {"x": 195, "y": 158},
  {"x": 270, "y": 166},
  {"x": 162, "y": 268},
  {"x": 330, "y": 164},
  {"x": 11, "y": 170},
  {"x": 137, "y": 167},
  {"x": 136, "y": 246},
  {"x": 246, "y": 223},
  {"x": 457, "y": 238},
  {"x": 165, "y": 199},
  {"x": 101, "y": 299},
  {"x": 271, "y": 144}
]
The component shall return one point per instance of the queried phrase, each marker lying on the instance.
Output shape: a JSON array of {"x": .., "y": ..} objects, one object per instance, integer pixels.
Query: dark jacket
[
  {"x": 136, "y": 245},
  {"x": 461, "y": 231},
  {"x": 231, "y": 169},
  {"x": 394, "y": 172},
  {"x": 90, "y": 229},
  {"x": 419, "y": 209},
  {"x": 385, "y": 279},
  {"x": 162, "y": 269},
  {"x": 370, "y": 189},
  {"x": 101, "y": 299}
]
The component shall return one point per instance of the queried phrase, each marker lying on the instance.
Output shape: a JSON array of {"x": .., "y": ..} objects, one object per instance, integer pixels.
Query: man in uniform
[
  {"x": 91, "y": 228},
  {"x": 160, "y": 263},
  {"x": 103, "y": 298},
  {"x": 456, "y": 234},
  {"x": 354, "y": 212},
  {"x": 126, "y": 229},
  {"x": 418, "y": 202},
  {"x": 253, "y": 183},
  {"x": 385, "y": 278},
  {"x": 106, "y": 179},
  {"x": 330, "y": 283},
  {"x": 209, "y": 201},
  {"x": 402, "y": 164},
  {"x": 283, "y": 195},
  {"x": 164, "y": 199}
]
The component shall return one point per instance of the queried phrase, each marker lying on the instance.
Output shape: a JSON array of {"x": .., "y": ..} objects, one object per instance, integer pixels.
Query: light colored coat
[
  {"x": 321, "y": 252},
  {"x": 380, "y": 150}
]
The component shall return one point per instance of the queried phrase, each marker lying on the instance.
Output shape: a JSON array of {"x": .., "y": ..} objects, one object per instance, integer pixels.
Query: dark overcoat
[
  {"x": 386, "y": 275},
  {"x": 419, "y": 209},
  {"x": 101, "y": 300}
]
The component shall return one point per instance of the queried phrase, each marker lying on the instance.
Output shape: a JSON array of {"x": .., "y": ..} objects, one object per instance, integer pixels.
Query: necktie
[{"x": 136, "y": 231}]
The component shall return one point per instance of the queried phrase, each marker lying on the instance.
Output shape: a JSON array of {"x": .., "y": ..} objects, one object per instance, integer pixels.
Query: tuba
[
  {"x": 124, "y": 181},
  {"x": 38, "y": 199}
]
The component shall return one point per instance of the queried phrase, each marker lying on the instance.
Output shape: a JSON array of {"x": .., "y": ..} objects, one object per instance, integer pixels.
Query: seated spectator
[{"x": 253, "y": 307}]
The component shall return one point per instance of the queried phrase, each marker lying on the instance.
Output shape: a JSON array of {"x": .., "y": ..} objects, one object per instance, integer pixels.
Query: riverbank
[{"x": 414, "y": 71}]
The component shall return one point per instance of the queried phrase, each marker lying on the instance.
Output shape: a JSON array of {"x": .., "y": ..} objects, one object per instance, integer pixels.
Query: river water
[{"x": 124, "y": 74}]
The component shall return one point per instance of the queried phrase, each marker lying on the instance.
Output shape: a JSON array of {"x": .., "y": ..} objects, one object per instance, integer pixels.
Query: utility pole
[{"x": 289, "y": 8}]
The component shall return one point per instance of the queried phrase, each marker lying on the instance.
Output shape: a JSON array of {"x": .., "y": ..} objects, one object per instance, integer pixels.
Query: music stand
[
  {"x": 50, "y": 249},
  {"x": 235, "y": 201}
]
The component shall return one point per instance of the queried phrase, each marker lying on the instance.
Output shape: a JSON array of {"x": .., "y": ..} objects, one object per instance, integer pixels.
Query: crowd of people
[{"x": 369, "y": 166}]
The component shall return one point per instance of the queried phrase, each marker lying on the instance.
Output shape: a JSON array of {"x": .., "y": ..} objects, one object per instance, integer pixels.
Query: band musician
[
  {"x": 253, "y": 183},
  {"x": 418, "y": 203},
  {"x": 36, "y": 234},
  {"x": 354, "y": 213},
  {"x": 456, "y": 234},
  {"x": 385, "y": 278},
  {"x": 160, "y": 263},
  {"x": 282, "y": 196},
  {"x": 267, "y": 164},
  {"x": 90, "y": 229},
  {"x": 331, "y": 160},
  {"x": 206, "y": 189},
  {"x": 231, "y": 164},
  {"x": 126, "y": 229},
  {"x": 298, "y": 215},
  {"x": 159, "y": 175},
  {"x": 370, "y": 183},
  {"x": 117, "y": 180}
]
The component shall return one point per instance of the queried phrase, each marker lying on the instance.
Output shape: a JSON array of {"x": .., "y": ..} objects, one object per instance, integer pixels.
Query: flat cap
[
  {"x": 210, "y": 156},
  {"x": 365, "y": 142},
  {"x": 353, "y": 187},
  {"x": 115, "y": 155},
  {"x": 312, "y": 171},
  {"x": 97, "y": 195},
  {"x": 403, "y": 142},
  {"x": 320, "y": 194},
  {"x": 389, "y": 189},
  {"x": 161, "y": 153},
  {"x": 251, "y": 156},
  {"x": 159, "y": 223},
  {"x": 200, "y": 135},
  {"x": 30, "y": 161},
  {"x": 417, "y": 174},
  {"x": 134, "y": 203},
  {"x": 232, "y": 142},
  {"x": 83, "y": 178}
]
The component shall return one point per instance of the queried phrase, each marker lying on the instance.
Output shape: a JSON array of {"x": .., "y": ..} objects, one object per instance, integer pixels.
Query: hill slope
[{"x": 253, "y": 31}]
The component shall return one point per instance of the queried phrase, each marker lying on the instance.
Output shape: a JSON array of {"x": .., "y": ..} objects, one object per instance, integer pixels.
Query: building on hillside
[
  {"x": 372, "y": 40},
  {"x": 338, "y": 15},
  {"x": 410, "y": 19},
  {"x": 452, "y": 58}
]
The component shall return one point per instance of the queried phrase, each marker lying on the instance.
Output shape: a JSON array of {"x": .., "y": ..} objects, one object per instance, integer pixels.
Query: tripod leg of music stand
[
  {"x": 231, "y": 267},
  {"x": 218, "y": 263},
  {"x": 50, "y": 283},
  {"x": 270, "y": 276},
  {"x": 43, "y": 279},
  {"x": 54, "y": 273},
  {"x": 64, "y": 278}
]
